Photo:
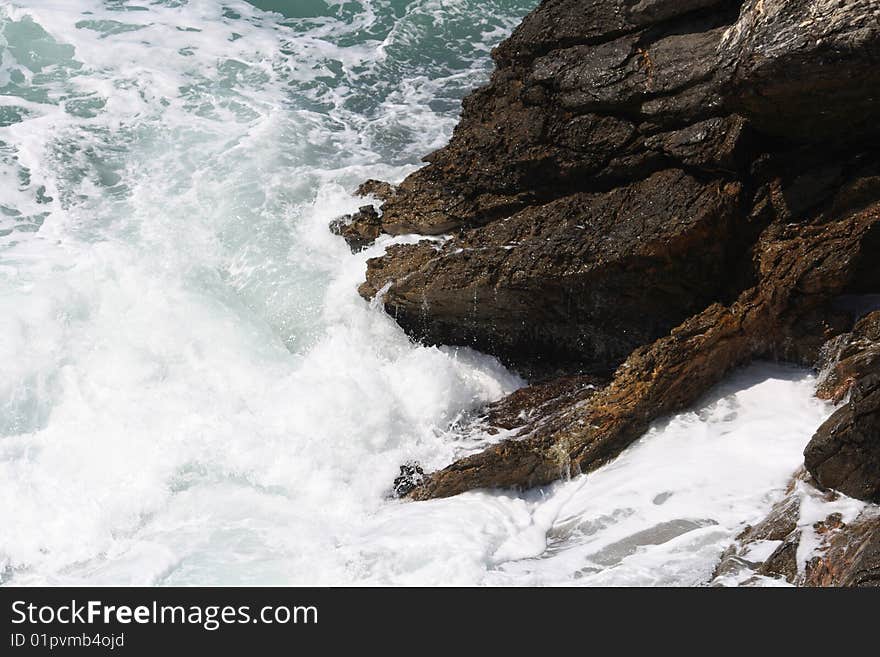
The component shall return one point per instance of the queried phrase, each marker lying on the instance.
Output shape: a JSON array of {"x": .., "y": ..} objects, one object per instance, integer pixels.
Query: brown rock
[
  {"x": 359, "y": 230},
  {"x": 378, "y": 189},
  {"x": 581, "y": 281},
  {"x": 844, "y": 454},
  {"x": 665, "y": 189},
  {"x": 844, "y": 554},
  {"x": 850, "y": 357},
  {"x": 800, "y": 267},
  {"x": 806, "y": 69},
  {"x": 851, "y": 557}
]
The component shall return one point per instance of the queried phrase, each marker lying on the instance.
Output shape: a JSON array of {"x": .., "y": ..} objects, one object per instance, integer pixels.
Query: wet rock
[
  {"x": 589, "y": 21},
  {"x": 851, "y": 556},
  {"x": 570, "y": 118},
  {"x": 783, "y": 562},
  {"x": 359, "y": 230},
  {"x": 582, "y": 280},
  {"x": 848, "y": 358},
  {"x": 844, "y": 454},
  {"x": 410, "y": 477},
  {"x": 651, "y": 191},
  {"x": 806, "y": 69},
  {"x": 377, "y": 189},
  {"x": 837, "y": 550},
  {"x": 800, "y": 267},
  {"x": 540, "y": 403}
]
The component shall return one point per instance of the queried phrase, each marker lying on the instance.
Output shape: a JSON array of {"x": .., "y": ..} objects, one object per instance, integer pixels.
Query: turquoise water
[
  {"x": 191, "y": 391},
  {"x": 176, "y": 322}
]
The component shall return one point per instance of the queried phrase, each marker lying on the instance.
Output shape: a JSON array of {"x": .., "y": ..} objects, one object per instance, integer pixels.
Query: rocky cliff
[{"x": 647, "y": 194}]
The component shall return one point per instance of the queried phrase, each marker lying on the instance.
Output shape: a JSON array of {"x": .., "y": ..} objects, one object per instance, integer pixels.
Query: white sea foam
[{"x": 191, "y": 390}]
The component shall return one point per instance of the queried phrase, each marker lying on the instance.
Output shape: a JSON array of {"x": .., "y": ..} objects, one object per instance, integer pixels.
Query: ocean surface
[{"x": 191, "y": 390}]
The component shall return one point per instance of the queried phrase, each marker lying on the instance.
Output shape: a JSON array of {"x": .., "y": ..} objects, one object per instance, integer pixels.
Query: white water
[{"x": 191, "y": 391}]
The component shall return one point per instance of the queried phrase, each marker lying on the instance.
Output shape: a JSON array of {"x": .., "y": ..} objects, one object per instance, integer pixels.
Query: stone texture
[
  {"x": 652, "y": 192},
  {"x": 806, "y": 68},
  {"x": 844, "y": 454},
  {"x": 843, "y": 552},
  {"x": 582, "y": 280},
  {"x": 800, "y": 267},
  {"x": 851, "y": 557}
]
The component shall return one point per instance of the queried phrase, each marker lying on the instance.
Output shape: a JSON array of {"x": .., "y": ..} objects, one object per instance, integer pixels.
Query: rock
[
  {"x": 851, "y": 556},
  {"x": 806, "y": 69},
  {"x": 742, "y": 562},
  {"x": 581, "y": 281},
  {"x": 537, "y": 404},
  {"x": 848, "y": 358},
  {"x": 572, "y": 118},
  {"x": 377, "y": 189},
  {"x": 783, "y": 562},
  {"x": 840, "y": 551},
  {"x": 570, "y": 22},
  {"x": 800, "y": 267},
  {"x": 410, "y": 477},
  {"x": 844, "y": 454},
  {"x": 651, "y": 191},
  {"x": 359, "y": 230}
]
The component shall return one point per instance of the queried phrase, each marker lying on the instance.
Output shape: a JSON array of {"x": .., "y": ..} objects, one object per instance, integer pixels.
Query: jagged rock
[
  {"x": 850, "y": 558},
  {"x": 844, "y": 454},
  {"x": 783, "y": 562},
  {"x": 841, "y": 551},
  {"x": 360, "y": 229},
  {"x": 540, "y": 403},
  {"x": 850, "y": 357},
  {"x": 570, "y": 22},
  {"x": 668, "y": 188},
  {"x": 377, "y": 189},
  {"x": 582, "y": 280},
  {"x": 410, "y": 477},
  {"x": 800, "y": 267},
  {"x": 806, "y": 69},
  {"x": 573, "y": 118}
]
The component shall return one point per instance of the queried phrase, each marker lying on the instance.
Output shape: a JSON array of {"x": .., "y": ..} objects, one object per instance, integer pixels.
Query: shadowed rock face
[
  {"x": 651, "y": 191},
  {"x": 844, "y": 454},
  {"x": 576, "y": 268}
]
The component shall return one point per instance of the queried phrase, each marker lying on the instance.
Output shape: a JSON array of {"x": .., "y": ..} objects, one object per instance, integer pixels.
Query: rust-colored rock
[
  {"x": 841, "y": 551},
  {"x": 850, "y": 558}
]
